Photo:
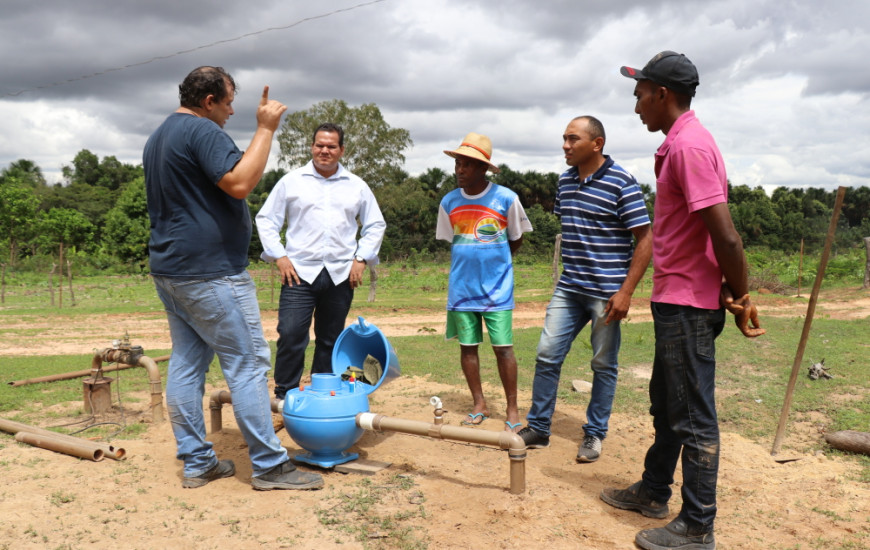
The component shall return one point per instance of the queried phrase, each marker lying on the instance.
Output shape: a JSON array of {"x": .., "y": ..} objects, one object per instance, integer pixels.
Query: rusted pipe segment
[
  {"x": 14, "y": 427},
  {"x": 150, "y": 366},
  {"x": 113, "y": 355},
  {"x": 503, "y": 440},
  {"x": 219, "y": 398},
  {"x": 78, "y": 373},
  {"x": 66, "y": 376},
  {"x": 215, "y": 404},
  {"x": 60, "y": 445}
]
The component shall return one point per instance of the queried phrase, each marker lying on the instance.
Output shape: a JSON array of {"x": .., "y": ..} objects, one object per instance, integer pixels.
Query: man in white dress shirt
[{"x": 322, "y": 260}]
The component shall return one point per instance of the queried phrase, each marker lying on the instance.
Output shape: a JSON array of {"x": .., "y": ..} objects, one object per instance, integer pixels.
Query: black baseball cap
[{"x": 669, "y": 69}]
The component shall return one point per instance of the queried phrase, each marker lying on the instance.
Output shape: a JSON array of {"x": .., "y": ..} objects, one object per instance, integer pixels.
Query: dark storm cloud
[{"x": 772, "y": 73}]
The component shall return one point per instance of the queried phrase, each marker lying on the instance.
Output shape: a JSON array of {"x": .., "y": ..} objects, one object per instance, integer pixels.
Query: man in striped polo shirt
[{"x": 602, "y": 210}]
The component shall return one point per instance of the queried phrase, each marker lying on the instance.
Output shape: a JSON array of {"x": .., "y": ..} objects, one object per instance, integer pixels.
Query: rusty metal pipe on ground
[
  {"x": 216, "y": 402},
  {"x": 514, "y": 444},
  {"x": 60, "y": 445},
  {"x": 78, "y": 373},
  {"x": 105, "y": 449}
]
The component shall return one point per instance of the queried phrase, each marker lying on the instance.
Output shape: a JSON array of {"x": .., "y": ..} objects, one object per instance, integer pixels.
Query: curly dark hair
[{"x": 203, "y": 82}]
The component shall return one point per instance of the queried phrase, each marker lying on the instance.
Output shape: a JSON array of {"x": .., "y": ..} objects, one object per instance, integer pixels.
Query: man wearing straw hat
[
  {"x": 695, "y": 249},
  {"x": 484, "y": 223}
]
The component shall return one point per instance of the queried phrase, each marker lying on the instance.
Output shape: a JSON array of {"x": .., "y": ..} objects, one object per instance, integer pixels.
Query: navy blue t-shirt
[{"x": 197, "y": 230}]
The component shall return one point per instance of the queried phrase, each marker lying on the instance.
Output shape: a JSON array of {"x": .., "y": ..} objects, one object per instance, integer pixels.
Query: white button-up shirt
[{"x": 321, "y": 215}]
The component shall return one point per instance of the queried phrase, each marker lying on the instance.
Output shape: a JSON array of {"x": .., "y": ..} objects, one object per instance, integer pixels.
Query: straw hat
[{"x": 478, "y": 147}]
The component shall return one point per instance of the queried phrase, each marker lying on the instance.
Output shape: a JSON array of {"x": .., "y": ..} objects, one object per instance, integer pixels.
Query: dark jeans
[
  {"x": 328, "y": 304},
  {"x": 683, "y": 406}
]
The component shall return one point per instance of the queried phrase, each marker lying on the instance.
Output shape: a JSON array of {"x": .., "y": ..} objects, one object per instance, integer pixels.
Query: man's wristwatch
[{"x": 359, "y": 258}]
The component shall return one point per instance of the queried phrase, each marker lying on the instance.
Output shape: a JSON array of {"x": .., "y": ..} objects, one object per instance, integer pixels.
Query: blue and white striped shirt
[{"x": 597, "y": 217}]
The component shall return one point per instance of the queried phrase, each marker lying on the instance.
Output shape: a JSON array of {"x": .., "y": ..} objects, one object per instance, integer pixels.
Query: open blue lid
[{"x": 358, "y": 341}]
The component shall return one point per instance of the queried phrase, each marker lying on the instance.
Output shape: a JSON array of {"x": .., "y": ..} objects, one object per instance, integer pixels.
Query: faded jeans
[
  {"x": 218, "y": 316},
  {"x": 567, "y": 314},
  {"x": 683, "y": 406}
]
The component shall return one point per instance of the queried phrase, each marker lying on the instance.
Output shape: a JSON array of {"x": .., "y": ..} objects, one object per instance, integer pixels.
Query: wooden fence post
[
  {"x": 800, "y": 267},
  {"x": 72, "y": 295},
  {"x": 373, "y": 286},
  {"x": 272, "y": 282},
  {"x": 867, "y": 265},
  {"x": 51, "y": 282},
  {"x": 60, "y": 277}
]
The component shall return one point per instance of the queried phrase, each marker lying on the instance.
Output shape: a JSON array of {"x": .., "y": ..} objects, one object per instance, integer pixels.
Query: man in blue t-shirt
[
  {"x": 196, "y": 181},
  {"x": 602, "y": 209},
  {"x": 485, "y": 223}
]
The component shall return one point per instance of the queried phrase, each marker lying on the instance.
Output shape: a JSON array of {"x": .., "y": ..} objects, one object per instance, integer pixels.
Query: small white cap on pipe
[{"x": 435, "y": 401}]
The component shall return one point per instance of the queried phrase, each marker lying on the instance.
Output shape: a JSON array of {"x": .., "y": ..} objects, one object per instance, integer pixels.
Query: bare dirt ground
[{"x": 452, "y": 495}]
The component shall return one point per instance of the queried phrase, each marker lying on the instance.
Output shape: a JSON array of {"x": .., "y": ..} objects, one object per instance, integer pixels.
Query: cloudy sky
[{"x": 784, "y": 83}]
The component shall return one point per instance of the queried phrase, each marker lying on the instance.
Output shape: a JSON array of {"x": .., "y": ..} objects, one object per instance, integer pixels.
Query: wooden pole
[
  {"x": 72, "y": 295},
  {"x": 800, "y": 267},
  {"x": 866, "y": 266},
  {"x": 373, "y": 284},
  {"x": 51, "y": 282},
  {"x": 60, "y": 277},
  {"x": 808, "y": 322},
  {"x": 272, "y": 282}
]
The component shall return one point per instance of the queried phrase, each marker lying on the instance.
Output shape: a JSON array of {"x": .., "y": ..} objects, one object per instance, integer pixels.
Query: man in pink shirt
[{"x": 698, "y": 267}]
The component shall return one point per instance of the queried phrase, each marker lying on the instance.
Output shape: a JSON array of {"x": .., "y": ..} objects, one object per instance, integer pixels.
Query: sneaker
[
  {"x": 674, "y": 535},
  {"x": 635, "y": 498},
  {"x": 533, "y": 439},
  {"x": 224, "y": 468},
  {"x": 590, "y": 450},
  {"x": 286, "y": 476}
]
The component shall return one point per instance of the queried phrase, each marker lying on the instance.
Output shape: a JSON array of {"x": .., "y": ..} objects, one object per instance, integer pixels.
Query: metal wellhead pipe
[
  {"x": 514, "y": 444},
  {"x": 133, "y": 356}
]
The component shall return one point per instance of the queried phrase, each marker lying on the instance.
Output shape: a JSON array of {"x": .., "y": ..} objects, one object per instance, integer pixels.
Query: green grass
[{"x": 752, "y": 375}]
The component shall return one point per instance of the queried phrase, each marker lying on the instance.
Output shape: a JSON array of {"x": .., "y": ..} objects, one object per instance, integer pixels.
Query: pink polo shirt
[{"x": 690, "y": 176}]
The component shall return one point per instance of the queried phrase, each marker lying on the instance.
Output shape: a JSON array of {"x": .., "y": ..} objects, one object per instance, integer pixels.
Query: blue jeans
[
  {"x": 567, "y": 314},
  {"x": 683, "y": 406},
  {"x": 328, "y": 304},
  {"x": 218, "y": 316}
]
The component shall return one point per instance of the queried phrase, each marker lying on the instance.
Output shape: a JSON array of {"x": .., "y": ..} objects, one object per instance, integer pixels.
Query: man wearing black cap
[{"x": 695, "y": 248}]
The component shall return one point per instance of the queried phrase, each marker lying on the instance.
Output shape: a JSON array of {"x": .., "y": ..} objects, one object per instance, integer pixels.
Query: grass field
[{"x": 752, "y": 374}]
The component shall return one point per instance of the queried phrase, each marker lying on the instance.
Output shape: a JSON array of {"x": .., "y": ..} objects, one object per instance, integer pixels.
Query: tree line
[{"x": 99, "y": 213}]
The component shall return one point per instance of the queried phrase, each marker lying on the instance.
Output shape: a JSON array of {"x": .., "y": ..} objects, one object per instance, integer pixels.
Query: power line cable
[{"x": 182, "y": 52}]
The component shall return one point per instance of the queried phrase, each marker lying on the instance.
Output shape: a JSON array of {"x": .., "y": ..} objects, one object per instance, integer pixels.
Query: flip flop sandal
[{"x": 472, "y": 417}]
